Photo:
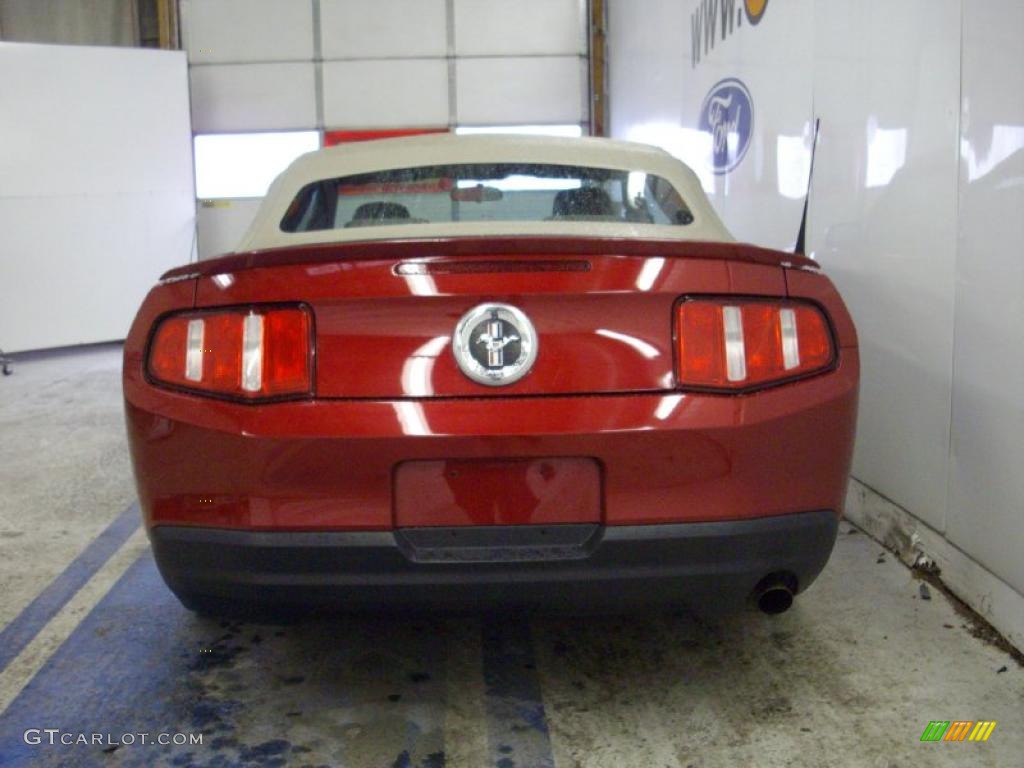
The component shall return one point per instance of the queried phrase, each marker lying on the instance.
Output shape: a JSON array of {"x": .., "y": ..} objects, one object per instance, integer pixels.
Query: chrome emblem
[{"x": 495, "y": 344}]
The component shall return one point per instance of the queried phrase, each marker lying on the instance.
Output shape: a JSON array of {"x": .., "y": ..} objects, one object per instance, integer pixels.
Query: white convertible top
[{"x": 448, "y": 148}]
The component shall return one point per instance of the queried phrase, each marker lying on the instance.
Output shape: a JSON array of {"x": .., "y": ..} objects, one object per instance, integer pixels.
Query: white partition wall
[
  {"x": 917, "y": 213},
  {"x": 884, "y": 225},
  {"x": 986, "y": 502},
  {"x": 349, "y": 65},
  {"x": 658, "y": 87},
  {"x": 96, "y": 192}
]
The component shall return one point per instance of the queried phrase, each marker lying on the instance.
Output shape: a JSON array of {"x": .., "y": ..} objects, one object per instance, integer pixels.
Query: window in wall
[
  {"x": 570, "y": 131},
  {"x": 244, "y": 164}
]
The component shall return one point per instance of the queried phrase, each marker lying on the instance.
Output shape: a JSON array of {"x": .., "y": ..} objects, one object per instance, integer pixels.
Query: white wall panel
[
  {"x": 502, "y": 28},
  {"x": 383, "y": 29},
  {"x": 384, "y": 94},
  {"x": 222, "y": 223},
  {"x": 883, "y": 223},
  {"x": 505, "y": 91},
  {"x": 92, "y": 209},
  {"x": 883, "y": 214},
  {"x": 987, "y": 485},
  {"x": 761, "y": 200},
  {"x": 647, "y": 78},
  {"x": 232, "y": 31},
  {"x": 253, "y": 97},
  {"x": 916, "y": 214},
  {"x": 657, "y": 89}
]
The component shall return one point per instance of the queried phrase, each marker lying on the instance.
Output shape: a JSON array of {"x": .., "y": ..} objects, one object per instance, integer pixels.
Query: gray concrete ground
[
  {"x": 850, "y": 676},
  {"x": 64, "y": 468}
]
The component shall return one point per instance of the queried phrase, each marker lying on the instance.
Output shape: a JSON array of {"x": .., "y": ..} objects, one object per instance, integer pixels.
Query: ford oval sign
[
  {"x": 755, "y": 10},
  {"x": 728, "y": 115}
]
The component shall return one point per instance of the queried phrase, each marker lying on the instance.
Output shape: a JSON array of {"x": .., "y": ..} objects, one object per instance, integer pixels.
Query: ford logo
[
  {"x": 755, "y": 9},
  {"x": 728, "y": 115}
]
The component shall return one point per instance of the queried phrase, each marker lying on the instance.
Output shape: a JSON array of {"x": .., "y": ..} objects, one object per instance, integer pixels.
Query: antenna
[{"x": 801, "y": 237}]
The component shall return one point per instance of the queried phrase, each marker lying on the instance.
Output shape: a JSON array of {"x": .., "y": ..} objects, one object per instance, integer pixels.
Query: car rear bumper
[
  {"x": 566, "y": 567},
  {"x": 341, "y": 465}
]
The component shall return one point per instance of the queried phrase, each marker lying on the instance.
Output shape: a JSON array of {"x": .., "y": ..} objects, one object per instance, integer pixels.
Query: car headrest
[
  {"x": 585, "y": 201},
  {"x": 380, "y": 210}
]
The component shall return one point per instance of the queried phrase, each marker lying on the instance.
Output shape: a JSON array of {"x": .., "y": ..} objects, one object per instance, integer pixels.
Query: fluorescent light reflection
[
  {"x": 418, "y": 369},
  {"x": 420, "y": 285},
  {"x": 887, "y": 153},
  {"x": 411, "y": 417},
  {"x": 647, "y": 350},
  {"x": 793, "y": 162},
  {"x": 667, "y": 406},
  {"x": 649, "y": 273},
  {"x": 1006, "y": 140}
]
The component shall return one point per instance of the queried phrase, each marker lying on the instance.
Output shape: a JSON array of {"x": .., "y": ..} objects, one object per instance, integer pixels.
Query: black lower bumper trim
[{"x": 704, "y": 565}]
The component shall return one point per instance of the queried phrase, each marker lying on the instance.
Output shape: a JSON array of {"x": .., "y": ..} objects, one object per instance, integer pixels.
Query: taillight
[
  {"x": 739, "y": 344},
  {"x": 251, "y": 353}
]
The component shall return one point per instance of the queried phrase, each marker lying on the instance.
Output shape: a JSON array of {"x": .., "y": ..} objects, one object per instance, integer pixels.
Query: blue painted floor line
[
  {"x": 108, "y": 677},
  {"x": 27, "y": 624},
  {"x": 352, "y": 692},
  {"x": 516, "y": 722}
]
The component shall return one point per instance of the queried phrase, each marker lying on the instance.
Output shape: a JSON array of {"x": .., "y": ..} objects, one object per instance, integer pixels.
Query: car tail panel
[{"x": 385, "y": 328}]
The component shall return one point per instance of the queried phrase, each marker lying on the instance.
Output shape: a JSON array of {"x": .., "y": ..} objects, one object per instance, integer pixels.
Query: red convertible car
[{"x": 452, "y": 371}]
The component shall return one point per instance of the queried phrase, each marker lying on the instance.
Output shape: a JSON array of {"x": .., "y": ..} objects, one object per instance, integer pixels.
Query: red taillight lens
[
  {"x": 745, "y": 343},
  {"x": 253, "y": 353}
]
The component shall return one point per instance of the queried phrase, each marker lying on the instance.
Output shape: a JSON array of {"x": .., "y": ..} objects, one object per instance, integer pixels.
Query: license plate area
[
  {"x": 499, "y": 543},
  {"x": 497, "y": 492}
]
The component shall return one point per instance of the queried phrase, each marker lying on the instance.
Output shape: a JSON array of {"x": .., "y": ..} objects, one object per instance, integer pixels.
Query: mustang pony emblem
[
  {"x": 495, "y": 344},
  {"x": 495, "y": 341}
]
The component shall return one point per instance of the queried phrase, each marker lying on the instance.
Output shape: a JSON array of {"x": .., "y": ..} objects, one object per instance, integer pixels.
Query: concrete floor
[{"x": 92, "y": 642}]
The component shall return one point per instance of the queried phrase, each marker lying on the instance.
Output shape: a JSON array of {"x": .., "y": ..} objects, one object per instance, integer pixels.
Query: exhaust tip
[
  {"x": 775, "y": 600},
  {"x": 774, "y": 594}
]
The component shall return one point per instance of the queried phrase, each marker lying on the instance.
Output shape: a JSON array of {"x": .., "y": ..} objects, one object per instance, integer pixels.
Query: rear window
[{"x": 475, "y": 192}]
